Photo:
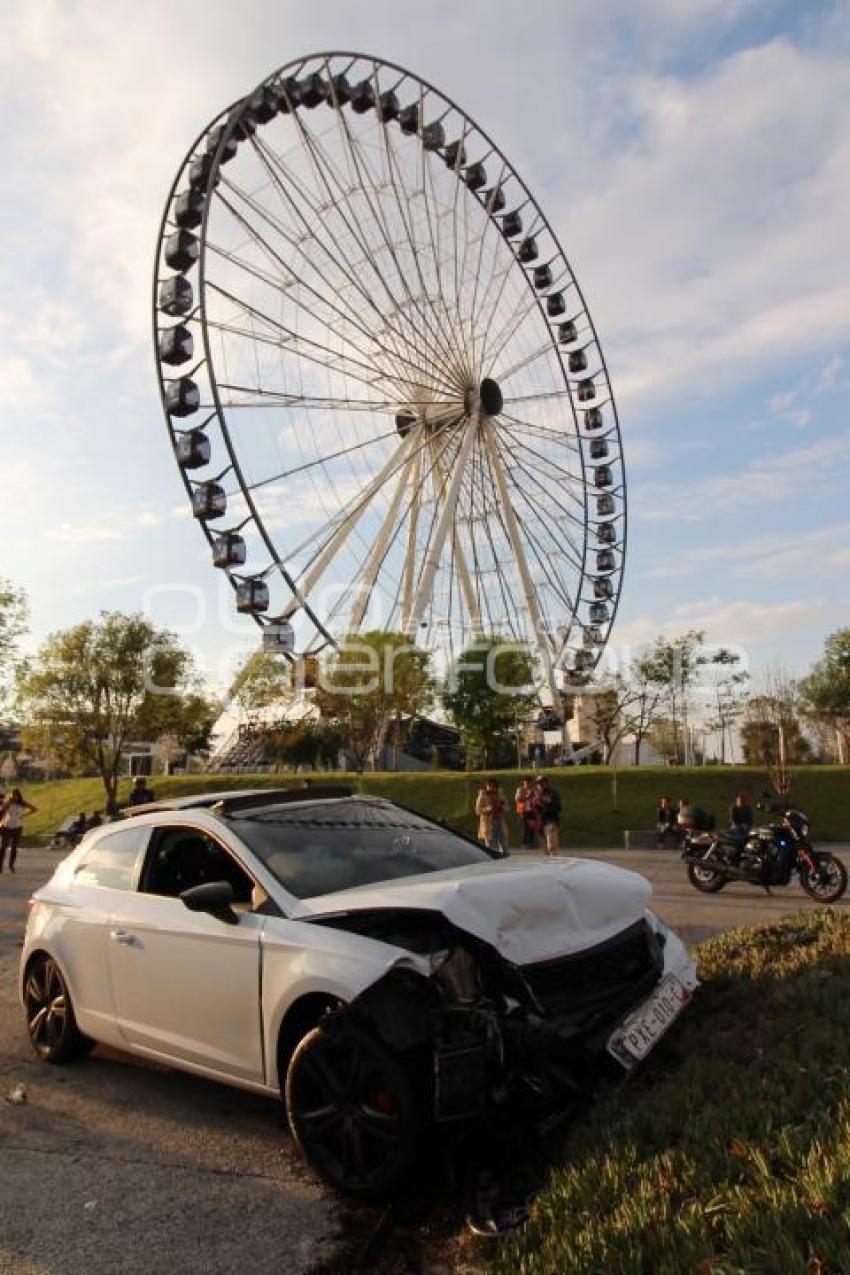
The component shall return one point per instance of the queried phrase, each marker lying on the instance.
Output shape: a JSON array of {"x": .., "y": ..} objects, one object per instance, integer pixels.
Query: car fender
[{"x": 300, "y": 959}]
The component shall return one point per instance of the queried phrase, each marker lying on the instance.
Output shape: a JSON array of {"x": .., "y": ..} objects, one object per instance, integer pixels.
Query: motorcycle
[{"x": 767, "y": 856}]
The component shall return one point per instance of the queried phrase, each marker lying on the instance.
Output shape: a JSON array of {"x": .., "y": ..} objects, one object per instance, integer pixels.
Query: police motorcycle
[{"x": 766, "y": 856}]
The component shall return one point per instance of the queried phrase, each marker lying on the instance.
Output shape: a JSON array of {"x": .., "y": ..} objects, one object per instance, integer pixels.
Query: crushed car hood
[{"x": 528, "y": 909}]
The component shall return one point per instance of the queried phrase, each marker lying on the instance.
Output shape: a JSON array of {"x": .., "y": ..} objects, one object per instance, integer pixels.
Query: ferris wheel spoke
[
  {"x": 285, "y": 185},
  {"x": 311, "y": 464},
  {"x": 489, "y": 226},
  {"x": 289, "y": 278},
  {"x": 522, "y": 311},
  {"x": 453, "y": 347},
  {"x": 304, "y": 403},
  {"x": 409, "y": 572},
  {"x": 349, "y": 317},
  {"x": 511, "y": 425},
  {"x": 310, "y": 349},
  {"x": 365, "y": 581},
  {"x": 463, "y": 570},
  {"x": 508, "y": 516},
  {"x": 542, "y": 476},
  {"x": 574, "y": 481},
  {"x": 429, "y": 197},
  {"x": 291, "y": 182},
  {"x": 455, "y": 353},
  {"x": 437, "y": 339},
  {"x": 546, "y": 556},
  {"x": 431, "y": 561},
  {"x": 489, "y": 509},
  {"x": 525, "y": 362},
  {"x": 325, "y": 556}
]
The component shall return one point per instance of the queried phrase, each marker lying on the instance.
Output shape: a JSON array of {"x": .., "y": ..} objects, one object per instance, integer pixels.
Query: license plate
[{"x": 642, "y": 1030}]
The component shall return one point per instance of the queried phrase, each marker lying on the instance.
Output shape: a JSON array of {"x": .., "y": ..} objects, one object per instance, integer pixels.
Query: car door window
[
  {"x": 180, "y": 858},
  {"x": 113, "y": 859}
]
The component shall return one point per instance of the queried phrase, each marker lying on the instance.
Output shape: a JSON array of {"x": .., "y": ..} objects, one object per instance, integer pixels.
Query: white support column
[
  {"x": 464, "y": 576},
  {"x": 338, "y": 539},
  {"x": 515, "y": 538},
  {"x": 412, "y": 532},
  {"x": 373, "y": 563},
  {"x": 432, "y": 558}
]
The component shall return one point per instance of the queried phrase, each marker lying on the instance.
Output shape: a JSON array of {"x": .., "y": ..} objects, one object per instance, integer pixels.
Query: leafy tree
[
  {"x": 14, "y": 613},
  {"x": 371, "y": 679},
  {"x": 90, "y": 689},
  {"x": 262, "y": 680},
  {"x": 186, "y": 718},
  {"x": 672, "y": 667},
  {"x": 489, "y": 689},
  {"x": 308, "y": 742},
  {"x": 825, "y": 693}
]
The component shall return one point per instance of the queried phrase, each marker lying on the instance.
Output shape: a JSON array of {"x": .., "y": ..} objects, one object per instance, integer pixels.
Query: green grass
[
  {"x": 593, "y": 814},
  {"x": 731, "y": 1151}
]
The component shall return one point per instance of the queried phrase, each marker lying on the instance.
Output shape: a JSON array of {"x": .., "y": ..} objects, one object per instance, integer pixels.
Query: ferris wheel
[{"x": 384, "y": 390}]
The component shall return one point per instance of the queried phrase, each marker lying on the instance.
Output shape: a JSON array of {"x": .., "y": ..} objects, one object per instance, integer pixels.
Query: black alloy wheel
[
  {"x": 352, "y": 1109},
  {"x": 827, "y": 880},
  {"x": 705, "y": 879},
  {"x": 51, "y": 1024}
]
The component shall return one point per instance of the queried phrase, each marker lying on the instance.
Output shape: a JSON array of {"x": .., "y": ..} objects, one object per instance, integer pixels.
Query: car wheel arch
[{"x": 300, "y": 1018}]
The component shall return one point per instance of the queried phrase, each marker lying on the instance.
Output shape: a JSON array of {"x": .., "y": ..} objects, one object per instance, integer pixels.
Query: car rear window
[
  {"x": 112, "y": 860},
  {"x": 315, "y": 849}
]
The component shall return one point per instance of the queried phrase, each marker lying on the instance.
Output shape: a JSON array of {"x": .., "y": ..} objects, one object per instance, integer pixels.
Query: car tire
[
  {"x": 51, "y": 1022},
  {"x": 354, "y": 1111},
  {"x": 705, "y": 879}
]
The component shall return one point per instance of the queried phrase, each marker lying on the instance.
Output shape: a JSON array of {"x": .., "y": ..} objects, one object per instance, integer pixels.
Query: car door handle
[{"x": 123, "y": 936}]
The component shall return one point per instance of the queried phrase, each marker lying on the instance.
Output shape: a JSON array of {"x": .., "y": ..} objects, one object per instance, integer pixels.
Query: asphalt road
[{"x": 112, "y": 1165}]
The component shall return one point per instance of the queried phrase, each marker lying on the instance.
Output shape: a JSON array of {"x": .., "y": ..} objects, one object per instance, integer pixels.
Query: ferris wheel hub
[{"x": 490, "y": 397}]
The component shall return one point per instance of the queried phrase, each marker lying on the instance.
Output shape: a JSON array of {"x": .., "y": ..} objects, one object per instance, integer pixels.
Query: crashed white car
[{"x": 388, "y": 976}]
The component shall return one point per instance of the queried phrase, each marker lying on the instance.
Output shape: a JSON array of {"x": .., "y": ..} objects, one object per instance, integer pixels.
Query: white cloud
[
  {"x": 817, "y": 468},
  {"x": 739, "y": 623},
  {"x": 85, "y": 534},
  {"x": 830, "y": 373}
]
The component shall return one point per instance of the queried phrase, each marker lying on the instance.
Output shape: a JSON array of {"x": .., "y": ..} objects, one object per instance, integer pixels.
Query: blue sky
[{"x": 694, "y": 158}]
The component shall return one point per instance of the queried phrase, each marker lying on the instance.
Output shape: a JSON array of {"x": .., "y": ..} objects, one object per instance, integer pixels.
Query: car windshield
[{"x": 336, "y": 845}]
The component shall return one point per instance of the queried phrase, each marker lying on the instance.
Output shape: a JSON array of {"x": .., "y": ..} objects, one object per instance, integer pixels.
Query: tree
[
  {"x": 14, "y": 613},
  {"x": 371, "y": 679},
  {"x": 672, "y": 666},
  {"x": 262, "y": 680},
  {"x": 728, "y": 694},
  {"x": 186, "y": 718},
  {"x": 91, "y": 687},
  {"x": 771, "y": 735},
  {"x": 825, "y": 693},
  {"x": 489, "y": 689}
]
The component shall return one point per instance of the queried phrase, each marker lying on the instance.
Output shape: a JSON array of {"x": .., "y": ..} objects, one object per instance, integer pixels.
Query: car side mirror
[{"x": 215, "y": 897}]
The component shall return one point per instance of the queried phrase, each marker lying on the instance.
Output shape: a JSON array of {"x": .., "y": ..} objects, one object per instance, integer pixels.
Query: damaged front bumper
[{"x": 534, "y": 1040}]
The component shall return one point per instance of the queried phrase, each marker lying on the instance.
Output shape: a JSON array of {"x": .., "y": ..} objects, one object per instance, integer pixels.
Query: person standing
[
  {"x": 140, "y": 793},
  {"x": 666, "y": 819},
  {"x": 499, "y": 837},
  {"x": 526, "y": 808},
  {"x": 484, "y": 811},
  {"x": 12, "y": 813},
  {"x": 686, "y": 816},
  {"x": 549, "y": 815}
]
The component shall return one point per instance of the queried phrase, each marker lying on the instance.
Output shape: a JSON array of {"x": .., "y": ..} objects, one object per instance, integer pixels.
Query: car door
[
  {"x": 187, "y": 984},
  {"x": 105, "y": 874}
]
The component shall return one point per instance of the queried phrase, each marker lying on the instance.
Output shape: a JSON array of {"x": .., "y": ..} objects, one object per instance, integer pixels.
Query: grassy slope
[
  {"x": 590, "y": 817},
  {"x": 731, "y": 1151}
]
